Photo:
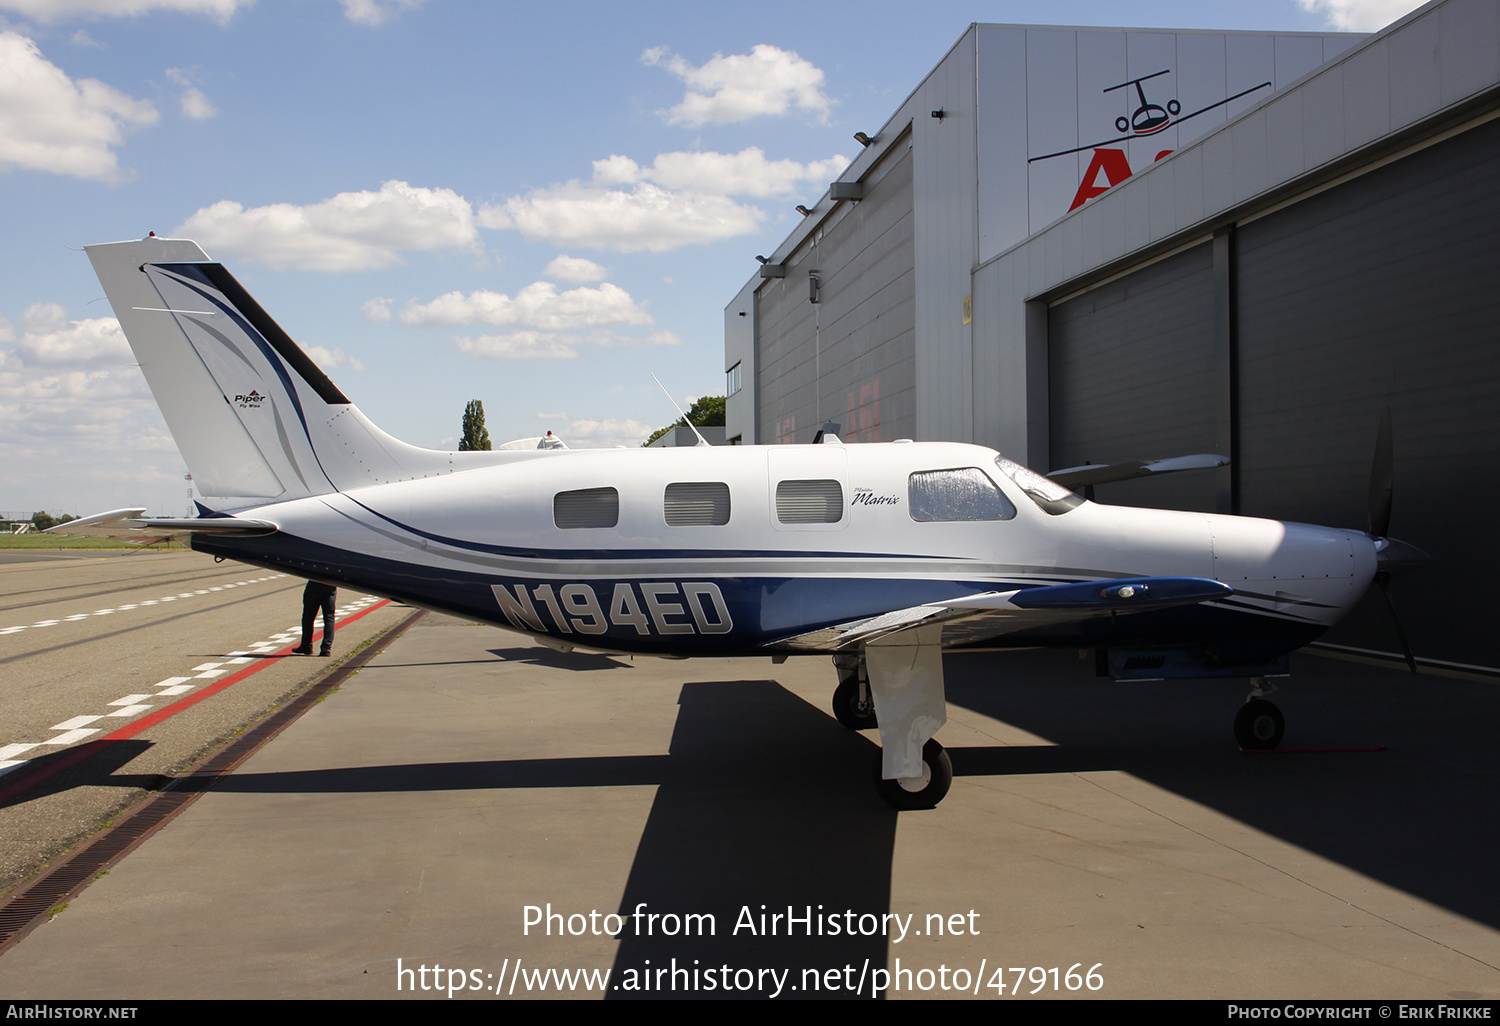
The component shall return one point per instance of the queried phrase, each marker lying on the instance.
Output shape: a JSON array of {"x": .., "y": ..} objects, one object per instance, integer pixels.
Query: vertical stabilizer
[{"x": 254, "y": 417}]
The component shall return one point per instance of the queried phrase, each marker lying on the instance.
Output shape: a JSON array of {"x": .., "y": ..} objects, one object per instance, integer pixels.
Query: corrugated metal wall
[
  {"x": 1131, "y": 375},
  {"x": 1383, "y": 293},
  {"x": 1378, "y": 293},
  {"x": 849, "y": 357}
]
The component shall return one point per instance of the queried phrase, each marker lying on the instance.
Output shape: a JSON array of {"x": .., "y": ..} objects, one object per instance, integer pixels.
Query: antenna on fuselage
[{"x": 701, "y": 439}]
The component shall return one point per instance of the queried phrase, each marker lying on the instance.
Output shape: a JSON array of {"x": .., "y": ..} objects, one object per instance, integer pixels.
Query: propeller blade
[
  {"x": 1382, "y": 479},
  {"x": 1384, "y": 580}
]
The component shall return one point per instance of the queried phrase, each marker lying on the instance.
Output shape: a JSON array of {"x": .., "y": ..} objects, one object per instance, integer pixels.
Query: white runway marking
[
  {"x": 130, "y": 706},
  {"x": 134, "y": 605}
]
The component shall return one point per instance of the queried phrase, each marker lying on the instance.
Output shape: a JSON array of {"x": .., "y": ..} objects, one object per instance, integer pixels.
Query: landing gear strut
[
  {"x": 853, "y": 705},
  {"x": 1259, "y": 724}
]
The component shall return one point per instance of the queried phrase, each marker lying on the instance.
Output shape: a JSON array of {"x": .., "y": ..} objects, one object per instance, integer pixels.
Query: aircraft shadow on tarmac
[
  {"x": 1418, "y": 816},
  {"x": 764, "y": 799}
]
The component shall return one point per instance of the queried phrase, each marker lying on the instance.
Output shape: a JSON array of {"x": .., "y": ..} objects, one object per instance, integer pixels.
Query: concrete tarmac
[
  {"x": 90, "y": 646},
  {"x": 396, "y": 840}
]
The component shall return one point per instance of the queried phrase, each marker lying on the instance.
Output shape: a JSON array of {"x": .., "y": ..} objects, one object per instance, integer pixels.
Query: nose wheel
[{"x": 1258, "y": 725}]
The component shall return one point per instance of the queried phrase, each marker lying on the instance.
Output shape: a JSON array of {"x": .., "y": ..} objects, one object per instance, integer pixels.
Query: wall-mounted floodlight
[
  {"x": 862, "y": 139},
  {"x": 940, "y": 113},
  {"x": 764, "y": 260},
  {"x": 813, "y": 286},
  {"x": 803, "y": 210},
  {"x": 846, "y": 191}
]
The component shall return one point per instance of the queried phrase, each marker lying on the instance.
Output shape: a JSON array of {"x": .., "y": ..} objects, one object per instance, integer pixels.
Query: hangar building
[{"x": 1086, "y": 245}]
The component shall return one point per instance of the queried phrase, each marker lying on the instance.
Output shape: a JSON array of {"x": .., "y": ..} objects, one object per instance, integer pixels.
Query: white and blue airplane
[{"x": 881, "y": 555}]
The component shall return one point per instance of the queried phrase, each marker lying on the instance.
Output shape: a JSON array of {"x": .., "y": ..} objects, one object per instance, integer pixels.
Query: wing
[
  {"x": 991, "y": 614},
  {"x": 129, "y": 525}
]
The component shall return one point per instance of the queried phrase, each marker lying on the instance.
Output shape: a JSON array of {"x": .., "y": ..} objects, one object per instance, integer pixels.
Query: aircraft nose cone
[{"x": 1394, "y": 556}]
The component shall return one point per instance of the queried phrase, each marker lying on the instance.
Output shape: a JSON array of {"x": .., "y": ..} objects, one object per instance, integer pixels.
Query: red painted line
[
  {"x": 1306, "y": 751},
  {"x": 21, "y": 780},
  {"x": 187, "y": 701}
]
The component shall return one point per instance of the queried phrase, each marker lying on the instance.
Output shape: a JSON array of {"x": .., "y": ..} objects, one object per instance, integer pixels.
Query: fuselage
[{"x": 732, "y": 550}]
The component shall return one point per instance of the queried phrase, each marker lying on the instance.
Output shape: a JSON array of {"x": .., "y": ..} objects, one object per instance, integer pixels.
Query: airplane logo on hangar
[{"x": 1147, "y": 119}]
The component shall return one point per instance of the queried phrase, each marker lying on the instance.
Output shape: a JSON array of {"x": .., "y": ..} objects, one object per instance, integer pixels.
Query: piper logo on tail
[{"x": 249, "y": 402}]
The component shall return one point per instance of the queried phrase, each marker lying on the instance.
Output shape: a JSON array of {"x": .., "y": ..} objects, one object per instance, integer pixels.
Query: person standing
[{"x": 314, "y": 597}]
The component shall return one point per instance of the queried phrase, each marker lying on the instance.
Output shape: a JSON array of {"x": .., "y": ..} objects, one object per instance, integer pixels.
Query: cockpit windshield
[{"x": 1046, "y": 493}]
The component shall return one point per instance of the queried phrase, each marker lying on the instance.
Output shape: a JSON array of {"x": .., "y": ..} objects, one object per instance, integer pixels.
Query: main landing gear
[
  {"x": 896, "y": 684},
  {"x": 853, "y": 705},
  {"x": 922, "y": 792},
  {"x": 1259, "y": 724}
]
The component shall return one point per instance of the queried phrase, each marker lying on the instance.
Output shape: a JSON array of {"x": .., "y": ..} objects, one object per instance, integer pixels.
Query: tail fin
[{"x": 254, "y": 417}]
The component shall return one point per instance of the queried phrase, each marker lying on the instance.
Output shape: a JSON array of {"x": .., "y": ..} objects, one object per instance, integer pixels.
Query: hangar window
[
  {"x": 697, "y": 503},
  {"x": 1046, "y": 493},
  {"x": 588, "y": 507},
  {"x": 732, "y": 382},
  {"x": 809, "y": 502},
  {"x": 962, "y": 494}
]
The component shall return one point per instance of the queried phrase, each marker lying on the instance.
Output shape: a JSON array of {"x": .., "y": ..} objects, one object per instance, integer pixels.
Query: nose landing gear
[{"x": 1258, "y": 725}]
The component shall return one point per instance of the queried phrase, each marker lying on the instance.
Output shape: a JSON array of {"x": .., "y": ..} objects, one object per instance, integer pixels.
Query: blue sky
[{"x": 532, "y": 205}]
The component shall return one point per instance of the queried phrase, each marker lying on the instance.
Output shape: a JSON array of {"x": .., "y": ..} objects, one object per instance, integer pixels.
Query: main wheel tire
[
  {"x": 847, "y": 708},
  {"x": 937, "y": 774},
  {"x": 1258, "y": 725}
]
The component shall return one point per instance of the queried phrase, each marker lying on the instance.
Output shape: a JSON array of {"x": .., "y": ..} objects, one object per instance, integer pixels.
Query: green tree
[
  {"x": 706, "y": 412},
  {"x": 476, "y": 436},
  {"x": 42, "y": 520}
]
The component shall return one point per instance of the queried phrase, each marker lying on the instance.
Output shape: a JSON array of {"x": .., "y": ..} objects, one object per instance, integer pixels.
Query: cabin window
[
  {"x": 949, "y": 495},
  {"x": 809, "y": 502},
  {"x": 588, "y": 507},
  {"x": 697, "y": 504}
]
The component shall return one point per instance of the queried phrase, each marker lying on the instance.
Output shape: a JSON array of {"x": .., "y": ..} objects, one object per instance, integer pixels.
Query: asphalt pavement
[{"x": 471, "y": 814}]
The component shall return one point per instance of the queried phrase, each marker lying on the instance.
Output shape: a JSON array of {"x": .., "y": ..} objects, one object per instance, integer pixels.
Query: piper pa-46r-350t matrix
[{"x": 882, "y": 555}]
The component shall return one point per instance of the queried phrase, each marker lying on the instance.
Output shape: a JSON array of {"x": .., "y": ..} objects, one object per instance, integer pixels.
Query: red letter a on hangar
[{"x": 1115, "y": 167}]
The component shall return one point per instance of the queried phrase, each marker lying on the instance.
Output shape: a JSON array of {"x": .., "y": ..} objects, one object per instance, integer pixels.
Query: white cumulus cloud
[
  {"x": 539, "y": 305},
  {"x": 376, "y": 12},
  {"x": 75, "y": 411},
  {"x": 1360, "y": 15},
  {"x": 353, "y": 231},
  {"x": 646, "y": 217},
  {"x": 746, "y": 173},
  {"x": 767, "y": 80},
  {"x": 378, "y": 310},
  {"x": 194, "y": 104},
  {"x": 49, "y": 122},
  {"x": 519, "y": 345},
  {"x": 51, "y": 338},
  {"x": 569, "y": 268},
  {"x": 606, "y": 433},
  {"x": 332, "y": 359},
  {"x": 59, "y": 10}
]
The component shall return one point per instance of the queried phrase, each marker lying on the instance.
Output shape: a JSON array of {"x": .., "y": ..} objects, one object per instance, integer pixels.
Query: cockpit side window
[
  {"x": 965, "y": 493},
  {"x": 1046, "y": 493}
]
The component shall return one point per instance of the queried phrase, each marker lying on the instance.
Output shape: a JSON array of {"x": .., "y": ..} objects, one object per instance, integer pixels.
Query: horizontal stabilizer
[
  {"x": 129, "y": 525},
  {"x": 1104, "y": 473}
]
